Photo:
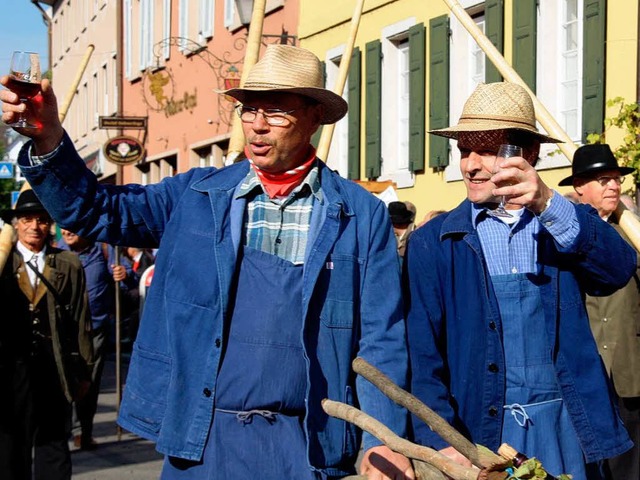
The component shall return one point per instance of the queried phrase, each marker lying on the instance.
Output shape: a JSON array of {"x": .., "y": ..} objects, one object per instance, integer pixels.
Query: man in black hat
[
  {"x": 615, "y": 320},
  {"x": 403, "y": 215},
  {"x": 45, "y": 347}
]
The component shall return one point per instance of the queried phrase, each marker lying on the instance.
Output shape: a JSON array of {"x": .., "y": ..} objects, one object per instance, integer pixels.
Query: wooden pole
[
  {"x": 629, "y": 223},
  {"x": 254, "y": 40},
  {"x": 74, "y": 86},
  {"x": 327, "y": 131}
]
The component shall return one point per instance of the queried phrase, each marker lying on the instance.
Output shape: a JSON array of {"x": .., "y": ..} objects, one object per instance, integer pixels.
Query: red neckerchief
[{"x": 281, "y": 184}]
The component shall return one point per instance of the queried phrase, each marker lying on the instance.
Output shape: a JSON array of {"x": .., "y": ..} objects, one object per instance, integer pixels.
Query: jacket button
[
  {"x": 206, "y": 392},
  {"x": 493, "y": 411},
  {"x": 218, "y": 342},
  {"x": 493, "y": 368},
  {"x": 492, "y": 325}
]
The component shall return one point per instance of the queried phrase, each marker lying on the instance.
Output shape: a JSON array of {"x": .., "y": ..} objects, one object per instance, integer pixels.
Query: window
[
  {"x": 95, "y": 95},
  {"x": 229, "y": 13},
  {"x": 338, "y": 158},
  {"x": 396, "y": 104},
  {"x": 206, "y": 18},
  {"x": 467, "y": 70},
  {"x": 128, "y": 47},
  {"x": 106, "y": 85},
  {"x": 147, "y": 36}
]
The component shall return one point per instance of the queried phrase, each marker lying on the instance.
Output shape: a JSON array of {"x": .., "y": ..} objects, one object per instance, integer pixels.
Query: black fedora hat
[
  {"x": 593, "y": 158},
  {"x": 27, "y": 203}
]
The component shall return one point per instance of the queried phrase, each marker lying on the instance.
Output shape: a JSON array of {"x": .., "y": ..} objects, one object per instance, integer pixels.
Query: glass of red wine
[{"x": 24, "y": 80}]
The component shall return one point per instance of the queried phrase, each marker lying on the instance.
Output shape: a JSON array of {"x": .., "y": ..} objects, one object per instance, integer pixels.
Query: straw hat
[
  {"x": 497, "y": 106},
  {"x": 591, "y": 159},
  {"x": 288, "y": 69}
]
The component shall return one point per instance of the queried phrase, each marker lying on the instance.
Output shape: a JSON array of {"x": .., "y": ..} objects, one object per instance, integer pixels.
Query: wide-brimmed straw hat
[
  {"x": 497, "y": 106},
  {"x": 591, "y": 159},
  {"x": 27, "y": 203},
  {"x": 288, "y": 69}
]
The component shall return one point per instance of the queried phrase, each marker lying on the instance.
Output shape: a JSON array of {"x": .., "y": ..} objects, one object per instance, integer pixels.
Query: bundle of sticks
[{"x": 430, "y": 464}]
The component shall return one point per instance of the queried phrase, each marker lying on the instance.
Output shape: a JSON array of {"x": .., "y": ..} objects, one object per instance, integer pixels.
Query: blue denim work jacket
[
  {"x": 351, "y": 298},
  {"x": 455, "y": 333}
]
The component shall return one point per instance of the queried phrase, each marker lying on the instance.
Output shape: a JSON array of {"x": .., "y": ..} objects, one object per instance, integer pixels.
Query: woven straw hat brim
[
  {"x": 453, "y": 132},
  {"x": 335, "y": 107},
  {"x": 288, "y": 69}
]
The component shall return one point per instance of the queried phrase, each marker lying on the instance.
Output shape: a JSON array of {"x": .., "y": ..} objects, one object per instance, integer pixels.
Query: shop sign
[{"x": 123, "y": 150}]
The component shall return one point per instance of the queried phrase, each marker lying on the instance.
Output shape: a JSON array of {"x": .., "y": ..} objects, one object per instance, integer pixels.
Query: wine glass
[
  {"x": 505, "y": 151},
  {"x": 24, "y": 80}
]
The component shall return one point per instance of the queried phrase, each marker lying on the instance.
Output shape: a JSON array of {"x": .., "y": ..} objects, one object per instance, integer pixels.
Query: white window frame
[
  {"x": 338, "y": 158},
  {"x": 183, "y": 22},
  {"x": 461, "y": 82},
  {"x": 166, "y": 28},
  {"x": 549, "y": 78},
  {"x": 95, "y": 94},
  {"x": 206, "y": 20},
  {"x": 128, "y": 64},
  {"x": 229, "y": 13},
  {"x": 393, "y": 168},
  {"x": 147, "y": 36}
]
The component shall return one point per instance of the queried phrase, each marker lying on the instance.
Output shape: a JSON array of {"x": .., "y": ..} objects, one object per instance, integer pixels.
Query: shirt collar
[
  {"x": 252, "y": 181},
  {"x": 28, "y": 254},
  {"x": 479, "y": 212}
]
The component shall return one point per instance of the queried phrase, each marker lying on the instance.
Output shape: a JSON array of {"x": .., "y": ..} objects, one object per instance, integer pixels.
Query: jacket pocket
[
  {"x": 146, "y": 388},
  {"x": 337, "y": 314}
]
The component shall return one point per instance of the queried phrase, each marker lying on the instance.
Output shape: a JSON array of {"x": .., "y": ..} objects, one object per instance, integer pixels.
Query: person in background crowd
[
  {"x": 102, "y": 305},
  {"x": 272, "y": 275},
  {"x": 498, "y": 334},
  {"x": 615, "y": 319},
  {"x": 402, "y": 216},
  {"x": 45, "y": 348}
]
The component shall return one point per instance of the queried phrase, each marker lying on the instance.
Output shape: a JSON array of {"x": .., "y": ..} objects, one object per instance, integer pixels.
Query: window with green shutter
[
  {"x": 373, "y": 126},
  {"x": 438, "y": 89},
  {"x": 416, "y": 97},
  {"x": 594, "y": 67},
  {"x": 494, "y": 30},
  {"x": 354, "y": 114},
  {"x": 525, "y": 22}
]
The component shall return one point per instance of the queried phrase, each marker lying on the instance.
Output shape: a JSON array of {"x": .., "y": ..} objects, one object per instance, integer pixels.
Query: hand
[
  {"x": 119, "y": 272},
  {"x": 382, "y": 463},
  {"x": 456, "y": 456},
  {"x": 41, "y": 110},
  {"x": 521, "y": 184}
]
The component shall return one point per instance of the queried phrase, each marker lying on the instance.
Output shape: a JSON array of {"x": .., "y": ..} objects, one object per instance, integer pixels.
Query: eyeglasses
[
  {"x": 273, "y": 116},
  {"x": 604, "y": 181},
  {"x": 40, "y": 220}
]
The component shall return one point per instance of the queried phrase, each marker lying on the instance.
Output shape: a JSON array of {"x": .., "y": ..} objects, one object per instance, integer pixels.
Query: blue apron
[
  {"x": 257, "y": 429},
  {"x": 535, "y": 419}
]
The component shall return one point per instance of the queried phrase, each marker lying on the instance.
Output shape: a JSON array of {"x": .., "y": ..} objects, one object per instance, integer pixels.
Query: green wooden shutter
[
  {"x": 373, "y": 126},
  {"x": 438, "y": 89},
  {"x": 525, "y": 21},
  {"x": 417, "y": 75},
  {"x": 315, "y": 139},
  {"x": 353, "y": 169},
  {"x": 494, "y": 30},
  {"x": 593, "y": 67}
]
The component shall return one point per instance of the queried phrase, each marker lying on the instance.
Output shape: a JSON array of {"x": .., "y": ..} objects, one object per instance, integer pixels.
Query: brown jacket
[
  {"x": 615, "y": 323},
  {"x": 68, "y": 326}
]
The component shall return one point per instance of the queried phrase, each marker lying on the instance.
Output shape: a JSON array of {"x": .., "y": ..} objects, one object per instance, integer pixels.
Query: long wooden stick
[
  {"x": 327, "y": 131},
  {"x": 397, "y": 444},
  {"x": 629, "y": 223},
  {"x": 480, "y": 458},
  {"x": 254, "y": 40},
  {"x": 64, "y": 108}
]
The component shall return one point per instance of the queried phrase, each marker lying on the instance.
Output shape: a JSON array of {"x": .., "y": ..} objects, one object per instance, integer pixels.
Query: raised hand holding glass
[
  {"x": 505, "y": 151},
  {"x": 24, "y": 79}
]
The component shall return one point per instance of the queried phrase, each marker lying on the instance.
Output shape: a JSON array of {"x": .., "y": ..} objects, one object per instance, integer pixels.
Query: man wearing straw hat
[
  {"x": 272, "y": 274},
  {"x": 45, "y": 348},
  {"x": 596, "y": 178},
  {"x": 499, "y": 338}
]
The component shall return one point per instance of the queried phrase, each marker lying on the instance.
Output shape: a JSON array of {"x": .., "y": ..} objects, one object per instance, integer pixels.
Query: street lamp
[{"x": 245, "y": 9}]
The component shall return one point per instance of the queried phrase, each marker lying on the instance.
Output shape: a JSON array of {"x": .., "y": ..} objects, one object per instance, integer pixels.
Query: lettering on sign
[{"x": 187, "y": 102}]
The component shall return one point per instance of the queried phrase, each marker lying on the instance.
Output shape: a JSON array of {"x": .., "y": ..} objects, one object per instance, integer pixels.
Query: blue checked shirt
[
  {"x": 279, "y": 226},
  {"x": 513, "y": 248}
]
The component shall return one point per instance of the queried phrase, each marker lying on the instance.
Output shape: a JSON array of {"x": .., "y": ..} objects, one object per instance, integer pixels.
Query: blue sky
[{"x": 21, "y": 28}]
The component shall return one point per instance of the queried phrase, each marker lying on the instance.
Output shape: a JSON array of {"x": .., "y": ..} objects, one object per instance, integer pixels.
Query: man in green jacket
[{"x": 615, "y": 320}]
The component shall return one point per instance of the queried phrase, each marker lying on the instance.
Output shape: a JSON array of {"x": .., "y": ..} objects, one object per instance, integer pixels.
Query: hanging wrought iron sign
[{"x": 123, "y": 150}]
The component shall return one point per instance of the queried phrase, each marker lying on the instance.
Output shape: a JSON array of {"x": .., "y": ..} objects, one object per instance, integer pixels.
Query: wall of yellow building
[{"x": 325, "y": 25}]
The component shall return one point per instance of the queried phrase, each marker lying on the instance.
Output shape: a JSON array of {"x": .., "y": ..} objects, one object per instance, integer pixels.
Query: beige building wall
[{"x": 76, "y": 25}]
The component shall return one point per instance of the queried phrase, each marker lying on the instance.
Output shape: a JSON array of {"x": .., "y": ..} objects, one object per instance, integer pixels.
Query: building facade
[{"x": 415, "y": 65}]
